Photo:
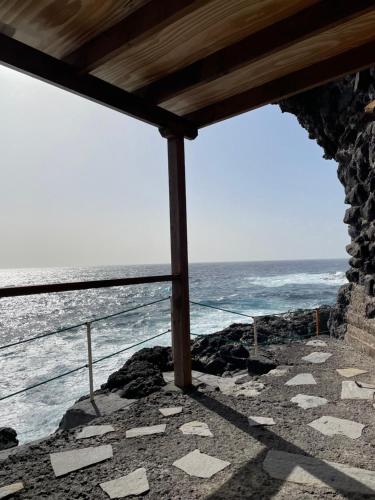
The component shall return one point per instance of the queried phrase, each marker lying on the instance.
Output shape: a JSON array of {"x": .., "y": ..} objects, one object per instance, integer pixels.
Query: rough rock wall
[{"x": 334, "y": 115}]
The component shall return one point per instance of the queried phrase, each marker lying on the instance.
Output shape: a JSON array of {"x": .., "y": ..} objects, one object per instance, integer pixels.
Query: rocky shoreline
[{"x": 222, "y": 353}]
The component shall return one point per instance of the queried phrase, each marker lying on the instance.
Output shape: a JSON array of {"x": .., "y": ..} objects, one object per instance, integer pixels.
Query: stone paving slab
[
  {"x": 250, "y": 389},
  {"x": 104, "y": 404},
  {"x": 10, "y": 489},
  {"x": 169, "y": 412},
  {"x": 330, "y": 426},
  {"x": 317, "y": 357},
  {"x": 302, "y": 379},
  {"x": 350, "y": 390},
  {"x": 322, "y": 473},
  {"x": 305, "y": 401},
  {"x": 196, "y": 428},
  {"x": 94, "y": 430},
  {"x": 69, "y": 461},
  {"x": 135, "y": 483},
  {"x": 257, "y": 421},
  {"x": 145, "y": 431},
  {"x": 316, "y": 343},
  {"x": 350, "y": 372},
  {"x": 277, "y": 372},
  {"x": 199, "y": 464}
]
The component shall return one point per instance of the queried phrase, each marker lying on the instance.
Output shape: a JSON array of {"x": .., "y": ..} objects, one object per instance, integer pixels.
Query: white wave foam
[{"x": 337, "y": 278}]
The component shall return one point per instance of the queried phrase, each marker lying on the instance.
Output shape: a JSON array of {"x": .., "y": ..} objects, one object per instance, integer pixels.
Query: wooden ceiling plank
[
  {"x": 142, "y": 23},
  {"x": 294, "y": 83},
  {"x": 302, "y": 25},
  {"x": 47, "y": 68}
]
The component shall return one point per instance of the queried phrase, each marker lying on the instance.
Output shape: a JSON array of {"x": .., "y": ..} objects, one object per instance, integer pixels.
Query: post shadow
[{"x": 271, "y": 441}]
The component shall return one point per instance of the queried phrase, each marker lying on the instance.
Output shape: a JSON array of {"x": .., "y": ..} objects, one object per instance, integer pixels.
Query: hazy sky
[{"x": 84, "y": 185}]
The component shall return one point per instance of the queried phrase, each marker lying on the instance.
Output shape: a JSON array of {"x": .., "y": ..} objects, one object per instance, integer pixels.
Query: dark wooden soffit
[
  {"x": 299, "y": 81},
  {"x": 40, "y": 65},
  {"x": 280, "y": 35},
  {"x": 143, "y": 22}
]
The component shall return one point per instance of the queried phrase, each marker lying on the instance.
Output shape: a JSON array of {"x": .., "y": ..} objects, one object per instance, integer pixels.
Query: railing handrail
[{"x": 17, "y": 291}]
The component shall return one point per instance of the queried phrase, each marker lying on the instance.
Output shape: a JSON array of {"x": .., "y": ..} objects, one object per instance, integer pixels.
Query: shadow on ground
[{"x": 251, "y": 481}]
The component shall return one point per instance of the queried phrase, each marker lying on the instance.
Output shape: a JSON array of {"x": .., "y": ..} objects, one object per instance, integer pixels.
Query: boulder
[
  {"x": 260, "y": 364},
  {"x": 8, "y": 438},
  {"x": 136, "y": 379}
]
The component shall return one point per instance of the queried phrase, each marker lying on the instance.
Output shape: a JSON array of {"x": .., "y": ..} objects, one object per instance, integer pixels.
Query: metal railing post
[
  {"x": 89, "y": 364},
  {"x": 317, "y": 316},
  {"x": 255, "y": 337}
]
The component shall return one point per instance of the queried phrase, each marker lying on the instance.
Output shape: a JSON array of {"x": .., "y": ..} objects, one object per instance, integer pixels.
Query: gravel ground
[{"x": 243, "y": 446}]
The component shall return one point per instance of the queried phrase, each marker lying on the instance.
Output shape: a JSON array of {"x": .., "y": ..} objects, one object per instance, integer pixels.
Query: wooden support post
[
  {"x": 317, "y": 315},
  {"x": 255, "y": 338},
  {"x": 89, "y": 363},
  {"x": 180, "y": 312}
]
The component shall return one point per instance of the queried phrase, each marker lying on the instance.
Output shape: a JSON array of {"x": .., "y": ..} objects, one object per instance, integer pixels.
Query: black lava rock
[
  {"x": 260, "y": 364},
  {"x": 8, "y": 438},
  {"x": 136, "y": 379}
]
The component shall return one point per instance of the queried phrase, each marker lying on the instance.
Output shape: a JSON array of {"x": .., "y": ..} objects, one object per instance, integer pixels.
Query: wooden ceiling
[{"x": 185, "y": 64}]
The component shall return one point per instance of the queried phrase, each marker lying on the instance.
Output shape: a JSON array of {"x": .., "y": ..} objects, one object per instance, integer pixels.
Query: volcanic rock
[{"x": 8, "y": 438}]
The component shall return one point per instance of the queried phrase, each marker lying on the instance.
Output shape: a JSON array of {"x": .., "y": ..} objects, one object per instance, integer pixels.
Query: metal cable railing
[
  {"x": 72, "y": 327},
  {"x": 81, "y": 367},
  {"x": 90, "y": 363},
  {"x": 89, "y": 322},
  {"x": 257, "y": 317}
]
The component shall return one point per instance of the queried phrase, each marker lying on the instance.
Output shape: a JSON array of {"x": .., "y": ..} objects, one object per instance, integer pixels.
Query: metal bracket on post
[{"x": 89, "y": 364}]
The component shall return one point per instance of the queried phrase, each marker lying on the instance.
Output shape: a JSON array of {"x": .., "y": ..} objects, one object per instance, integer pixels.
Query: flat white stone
[
  {"x": 196, "y": 428},
  {"x": 317, "y": 343},
  {"x": 104, "y": 405},
  {"x": 350, "y": 390},
  {"x": 69, "y": 461},
  {"x": 169, "y": 412},
  {"x": 135, "y": 483},
  {"x": 302, "y": 379},
  {"x": 317, "y": 357},
  {"x": 94, "y": 430},
  {"x": 229, "y": 387},
  {"x": 145, "y": 431},
  {"x": 277, "y": 372},
  {"x": 255, "y": 421},
  {"x": 315, "y": 472},
  {"x": 350, "y": 372},
  {"x": 330, "y": 426},
  {"x": 199, "y": 464},
  {"x": 10, "y": 489},
  {"x": 304, "y": 401}
]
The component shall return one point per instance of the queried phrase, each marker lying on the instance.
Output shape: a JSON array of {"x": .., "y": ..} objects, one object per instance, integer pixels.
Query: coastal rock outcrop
[
  {"x": 8, "y": 438},
  {"x": 142, "y": 374},
  {"x": 230, "y": 349},
  {"x": 338, "y": 116}
]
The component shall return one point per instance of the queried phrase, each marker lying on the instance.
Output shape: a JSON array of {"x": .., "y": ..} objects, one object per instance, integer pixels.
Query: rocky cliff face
[{"x": 334, "y": 115}]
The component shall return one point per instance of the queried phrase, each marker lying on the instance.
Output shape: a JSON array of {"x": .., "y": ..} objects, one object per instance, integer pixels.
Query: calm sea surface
[{"x": 252, "y": 288}]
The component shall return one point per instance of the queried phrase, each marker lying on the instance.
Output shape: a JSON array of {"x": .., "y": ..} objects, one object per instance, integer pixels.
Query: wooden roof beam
[
  {"x": 143, "y": 22},
  {"x": 299, "y": 81},
  {"x": 302, "y": 25},
  {"x": 44, "y": 67}
]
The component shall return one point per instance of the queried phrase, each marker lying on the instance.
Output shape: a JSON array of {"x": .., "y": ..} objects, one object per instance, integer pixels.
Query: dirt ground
[{"x": 234, "y": 441}]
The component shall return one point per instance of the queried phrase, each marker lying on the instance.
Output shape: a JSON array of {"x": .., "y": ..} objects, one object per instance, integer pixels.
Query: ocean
[{"x": 253, "y": 288}]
